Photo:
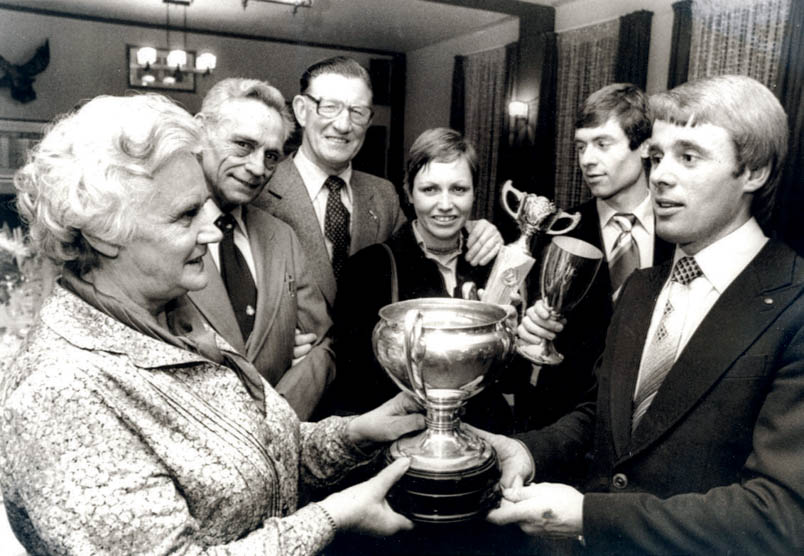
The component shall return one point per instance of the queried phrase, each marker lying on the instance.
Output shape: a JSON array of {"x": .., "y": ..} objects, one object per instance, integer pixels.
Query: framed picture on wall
[{"x": 16, "y": 138}]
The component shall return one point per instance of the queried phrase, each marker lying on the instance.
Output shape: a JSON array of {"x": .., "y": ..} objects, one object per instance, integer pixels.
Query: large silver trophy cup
[{"x": 443, "y": 351}]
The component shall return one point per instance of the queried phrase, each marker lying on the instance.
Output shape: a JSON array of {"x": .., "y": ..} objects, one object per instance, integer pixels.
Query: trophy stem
[{"x": 442, "y": 411}]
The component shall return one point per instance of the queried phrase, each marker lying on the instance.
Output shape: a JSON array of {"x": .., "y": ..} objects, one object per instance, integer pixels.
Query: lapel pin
[{"x": 768, "y": 301}]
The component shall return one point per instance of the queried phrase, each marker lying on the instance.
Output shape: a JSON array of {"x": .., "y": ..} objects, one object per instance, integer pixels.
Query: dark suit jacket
[
  {"x": 376, "y": 214},
  {"x": 717, "y": 463},
  {"x": 288, "y": 297},
  {"x": 582, "y": 340},
  {"x": 364, "y": 288}
]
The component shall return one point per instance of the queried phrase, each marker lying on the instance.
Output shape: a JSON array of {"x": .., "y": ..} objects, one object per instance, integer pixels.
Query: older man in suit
[
  {"x": 261, "y": 296},
  {"x": 699, "y": 432},
  {"x": 334, "y": 209},
  {"x": 611, "y": 132}
]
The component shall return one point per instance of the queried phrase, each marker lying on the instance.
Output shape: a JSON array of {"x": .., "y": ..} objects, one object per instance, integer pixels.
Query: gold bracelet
[{"x": 330, "y": 519}]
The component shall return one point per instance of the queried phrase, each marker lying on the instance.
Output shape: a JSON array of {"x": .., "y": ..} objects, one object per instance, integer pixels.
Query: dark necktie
[
  {"x": 336, "y": 224},
  {"x": 237, "y": 277},
  {"x": 664, "y": 345},
  {"x": 625, "y": 254}
]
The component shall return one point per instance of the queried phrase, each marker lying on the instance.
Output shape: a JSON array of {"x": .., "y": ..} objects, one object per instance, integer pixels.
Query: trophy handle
[
  {"x": 506, "y": 189},
  {"x": 574, "y": 219},
  {"x": 414, "y": 353}
]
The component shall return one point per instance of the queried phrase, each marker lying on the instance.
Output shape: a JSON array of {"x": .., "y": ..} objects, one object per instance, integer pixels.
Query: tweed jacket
[
  {"x": 288, "y": 297},
  {"x": 376, "y": 214},
  {"x": 115, "y": 442},
  {"x": 715, "y": 465}
]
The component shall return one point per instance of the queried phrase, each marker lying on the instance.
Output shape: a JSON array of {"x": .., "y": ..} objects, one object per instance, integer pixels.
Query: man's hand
[
  {"x": 483, "y": 243},
  {"x": 515, "y": 460},
  {"x": 303, "y": 344},
  {"x": 538, "y": 324},
  {"x": 396, "y": 417},
  {"x": 549, "y": 509},
  {"x": 363, "y": 507}
]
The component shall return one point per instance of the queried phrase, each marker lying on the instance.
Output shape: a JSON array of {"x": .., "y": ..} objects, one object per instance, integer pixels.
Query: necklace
[{"x": 441, "y": 250}]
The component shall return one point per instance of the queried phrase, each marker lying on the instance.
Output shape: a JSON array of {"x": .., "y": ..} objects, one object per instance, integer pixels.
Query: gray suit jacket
[
  {"x": 376, "y": 214},
  {"x": 288, "y": 298}
]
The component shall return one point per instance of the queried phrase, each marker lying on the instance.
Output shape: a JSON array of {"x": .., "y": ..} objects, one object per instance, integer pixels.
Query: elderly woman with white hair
[{"x": 127, "y": 425}]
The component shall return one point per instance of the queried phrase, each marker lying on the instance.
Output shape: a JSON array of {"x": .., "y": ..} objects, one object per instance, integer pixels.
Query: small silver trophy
[
  {"x": 514, "y": 261},
  {"x": 443, "y": 351},
  {"x": 568, "y": 270}
]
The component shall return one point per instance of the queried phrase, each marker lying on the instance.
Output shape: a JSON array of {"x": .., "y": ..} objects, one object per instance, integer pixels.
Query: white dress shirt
[
  {"x": 720, "y": 264},
  {"x": 240, "y": 240},
  {"x": 314, "y": 178},
  {"x": 642, "y": 230},
  {"x": 447, "y": 263}
]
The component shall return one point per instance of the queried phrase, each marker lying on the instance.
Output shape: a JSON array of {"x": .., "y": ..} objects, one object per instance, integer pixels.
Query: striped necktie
[{"x": 624, "y": 257}]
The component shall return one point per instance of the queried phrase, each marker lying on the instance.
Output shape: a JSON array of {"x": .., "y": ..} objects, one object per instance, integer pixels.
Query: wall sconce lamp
[
  {"x": 168, "y": 68},
  {"x": 518, "y": 109}
]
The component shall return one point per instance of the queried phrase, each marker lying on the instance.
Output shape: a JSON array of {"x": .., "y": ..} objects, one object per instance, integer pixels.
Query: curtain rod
[
  {"x": 485, "y": 49},
  {"x": 575, "y": 28}
]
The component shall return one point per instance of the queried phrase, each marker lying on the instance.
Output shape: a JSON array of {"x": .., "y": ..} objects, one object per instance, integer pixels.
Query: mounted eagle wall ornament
[{"x": 20, "y": 78}]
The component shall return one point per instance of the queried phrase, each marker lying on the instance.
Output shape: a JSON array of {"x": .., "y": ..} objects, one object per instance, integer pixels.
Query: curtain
[
  {"x": 680, "y": 43},
  {"x": 456, "y": 112},
  {"x": 790, "y": 90},
  {"x": 586, "y": 59},
  {"x": 738, "y": 37},
  {"x": 633, "y": 49},
  {"x": 485, "y": 108}
]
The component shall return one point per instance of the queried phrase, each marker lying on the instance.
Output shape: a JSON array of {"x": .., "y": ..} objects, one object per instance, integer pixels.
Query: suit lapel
[
  {"x": 270, "y": 279},
  {"x": 742, "y": 313},
  {"x": 365, "y": 225},
  {"x": 288, "y": 200},
  {"x": 213, "y": 303}
]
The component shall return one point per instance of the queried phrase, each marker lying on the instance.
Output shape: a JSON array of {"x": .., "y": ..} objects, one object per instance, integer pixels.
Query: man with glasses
[{"x": 334, "y": 209}]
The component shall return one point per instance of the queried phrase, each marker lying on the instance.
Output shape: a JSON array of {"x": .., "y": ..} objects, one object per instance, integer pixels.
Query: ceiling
[{"x": 385, "y": 25}]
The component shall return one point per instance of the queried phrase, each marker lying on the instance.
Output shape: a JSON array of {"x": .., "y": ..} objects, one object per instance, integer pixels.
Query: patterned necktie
[
  {"x": 237, "y": 277},
  {"x": 663, "y": 347},
  {"x": 625, "y": 254},
  {"x": 336, "y": 224}
]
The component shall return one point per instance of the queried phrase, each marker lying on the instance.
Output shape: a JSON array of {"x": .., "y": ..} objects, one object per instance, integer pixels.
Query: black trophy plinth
[{"x": 446, "y": 497}]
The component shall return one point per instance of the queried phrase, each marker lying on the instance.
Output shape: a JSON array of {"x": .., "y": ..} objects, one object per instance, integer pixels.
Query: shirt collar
[
  {"x": 726, "y": 258},
  {"x": 314, "y": 177},
  {"x": 643, "y": 212}
]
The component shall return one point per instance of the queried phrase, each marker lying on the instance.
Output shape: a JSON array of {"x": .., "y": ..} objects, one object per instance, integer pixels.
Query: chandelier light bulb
[
  {"x": 146, "y": 56},
  {"x": 177, "y": 58}
]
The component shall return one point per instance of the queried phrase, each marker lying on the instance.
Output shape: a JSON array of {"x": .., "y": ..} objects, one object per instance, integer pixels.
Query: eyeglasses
[{"x": 358, "y": 115}]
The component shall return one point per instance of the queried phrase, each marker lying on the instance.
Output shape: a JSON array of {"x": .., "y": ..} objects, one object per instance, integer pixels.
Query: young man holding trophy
[
  {"x": 698, "y": 434},
  {"x": 611, "y": 130}
]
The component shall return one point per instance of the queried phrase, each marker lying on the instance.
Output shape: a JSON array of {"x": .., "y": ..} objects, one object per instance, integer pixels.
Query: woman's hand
[
  {"x": 363, "y": 507},
  {"x": 396, "y": 417},
  {"x": 302, "y": 345},
  {"x": 483, "y": 243}
]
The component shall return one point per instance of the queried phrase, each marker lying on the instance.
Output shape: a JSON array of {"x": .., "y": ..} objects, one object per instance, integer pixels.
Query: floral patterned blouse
[{"x": 115, "y": 442}]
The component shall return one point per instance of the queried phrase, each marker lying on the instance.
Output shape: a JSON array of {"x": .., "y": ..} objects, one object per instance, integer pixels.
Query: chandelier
[{"x": 172, "y": 67}]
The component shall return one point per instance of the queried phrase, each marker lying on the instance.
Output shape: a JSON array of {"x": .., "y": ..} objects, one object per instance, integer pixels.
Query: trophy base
[
  {"x": 446, "y": 496},
  {"x": 540, "y": 354}
]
